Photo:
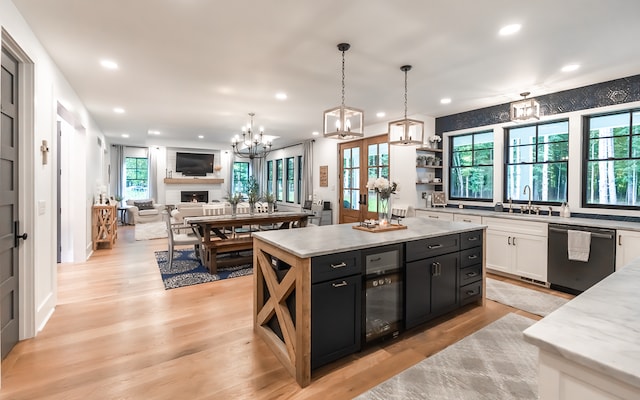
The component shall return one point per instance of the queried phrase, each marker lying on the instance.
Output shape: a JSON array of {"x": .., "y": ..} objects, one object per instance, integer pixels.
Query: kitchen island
[
  {"x": 590, "y": 347},
  {"x": 289, "y": 265}
]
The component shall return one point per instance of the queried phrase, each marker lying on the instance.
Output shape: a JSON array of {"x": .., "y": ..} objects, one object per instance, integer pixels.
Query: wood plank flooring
[{"x": 118, "y": 334}]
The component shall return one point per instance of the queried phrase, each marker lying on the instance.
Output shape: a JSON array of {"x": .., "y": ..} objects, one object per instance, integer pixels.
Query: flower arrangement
[
  {"x": 383, "y": 187},
  {"x": 435, "y": 139}
]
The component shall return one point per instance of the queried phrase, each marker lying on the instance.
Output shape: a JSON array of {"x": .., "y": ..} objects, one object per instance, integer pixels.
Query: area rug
[
  {"x": 187, "y": 270},
  {"x": 151, "y": 230},
  {"x": 528, "y": 300},
  {"x": 492, "y": 363}
]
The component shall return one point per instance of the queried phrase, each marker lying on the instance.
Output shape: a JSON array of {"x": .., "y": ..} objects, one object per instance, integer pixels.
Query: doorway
[
  {"x": 361, "y": 160},
  {"x": 9, "y": 215}
]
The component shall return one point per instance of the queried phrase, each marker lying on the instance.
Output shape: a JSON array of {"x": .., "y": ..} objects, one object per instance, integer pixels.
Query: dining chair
[
  {"x": 213, "y": 209},
  {"x": 181, "y": 235}
]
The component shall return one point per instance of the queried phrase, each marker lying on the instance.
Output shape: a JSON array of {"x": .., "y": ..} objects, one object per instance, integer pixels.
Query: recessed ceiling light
[
  {"x": 281, "y": 96},
  {"x": 109, "y": 64},
  {"x": 200, "y": 137},
  {"x": 381, "y": 114},
  {"x": 153, "y": 132},
  {"x": 570, "y": 67},
  {"x": 118, "y": 110},
  {"x": 510, "y": 29},
  {"x": 125, "y": 135},
  {"x": 315, "y": 133},
  {"x": 445, "y": 100}
]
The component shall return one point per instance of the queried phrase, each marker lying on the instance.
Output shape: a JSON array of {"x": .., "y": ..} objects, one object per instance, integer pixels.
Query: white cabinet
[
  {"x": 474, "y": 219},
  {"x": 627, "y": 247},
  {"x": 517, "y": 247},
  {"x": 440, "y": 216}
]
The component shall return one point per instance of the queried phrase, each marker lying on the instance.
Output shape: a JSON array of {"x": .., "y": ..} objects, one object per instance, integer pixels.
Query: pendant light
[
  {"x": 525, "y": 109},
  {"x": 406, "y": 132},
  {"x": 343, "y": 122}
]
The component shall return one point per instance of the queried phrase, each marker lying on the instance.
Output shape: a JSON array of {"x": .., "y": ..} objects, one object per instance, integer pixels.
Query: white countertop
[
  {"x": 591, "y": 222},
  {"x": 327, "y": 239},
  {"x": 599, "y": 329}
]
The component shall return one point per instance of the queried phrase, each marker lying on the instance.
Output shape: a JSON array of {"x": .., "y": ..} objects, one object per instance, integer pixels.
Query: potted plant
[
  {"x": 421, "y": 161},
  {"x": 430, "y": 160},
  {"x": 253, "y": 193},
  {"x": 436, "y": 160},
  {"x": 270, "y": 198},
  {"x": 434, "y": 140},
  {"x": 234, "y": 199}
]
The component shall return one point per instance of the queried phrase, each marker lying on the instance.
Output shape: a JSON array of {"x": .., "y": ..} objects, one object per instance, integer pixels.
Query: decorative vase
[
  {"x": 234, "y": 210},
  {"x": 384, "y": 212},
  {"x": 270, "y": 208},
  {"x": 252, "y": 208}
]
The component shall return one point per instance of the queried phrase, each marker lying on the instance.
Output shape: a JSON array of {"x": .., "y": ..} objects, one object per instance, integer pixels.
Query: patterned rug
[
  {"x": 528, "y": 300},
  {"x": 151, "y": 230},
  {"x": 493, "y": 363},
  {"x": 187, "y": 270}
]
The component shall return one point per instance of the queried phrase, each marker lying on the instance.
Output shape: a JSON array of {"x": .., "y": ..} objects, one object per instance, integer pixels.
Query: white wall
[{"x": 38, "y": 268}]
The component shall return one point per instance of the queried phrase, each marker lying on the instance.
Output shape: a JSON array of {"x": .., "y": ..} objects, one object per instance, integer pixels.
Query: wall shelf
[{"x": 193, "y": 181}]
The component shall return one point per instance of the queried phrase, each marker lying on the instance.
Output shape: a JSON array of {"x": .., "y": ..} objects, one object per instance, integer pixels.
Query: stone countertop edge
[
  {"x": 599, "y": 329},
  {"x": 328, "y": 239},
  {"x": 591, "y": 222}
]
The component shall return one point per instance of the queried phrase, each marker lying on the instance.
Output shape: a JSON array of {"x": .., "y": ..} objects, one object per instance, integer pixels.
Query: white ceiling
[{"x": 197, "y": 67}]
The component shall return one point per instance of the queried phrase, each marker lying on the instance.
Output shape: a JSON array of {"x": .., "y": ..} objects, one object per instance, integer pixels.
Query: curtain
[
  {"x": 227, "y": 163},
  {"x": 119, "y": 169},
  {"x": 258, "y": 173},
  {"x": 153, "y": 173},
  {"x": 307, "y": 170}
]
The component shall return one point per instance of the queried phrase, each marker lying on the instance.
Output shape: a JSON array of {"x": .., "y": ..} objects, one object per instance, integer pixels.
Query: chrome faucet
[{"x": 529, "y": 209}]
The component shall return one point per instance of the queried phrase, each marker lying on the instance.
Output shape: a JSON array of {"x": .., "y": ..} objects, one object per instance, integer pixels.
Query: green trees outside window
[
  {"x": 136, "y": 171},
  {"x": 471, "y": 172},
  {"x": 240, "y": 177},
  {"x": 612, "y": 172}
]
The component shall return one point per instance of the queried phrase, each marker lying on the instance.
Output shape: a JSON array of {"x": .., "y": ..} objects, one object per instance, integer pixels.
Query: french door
[{"x": 360, "y": 161}]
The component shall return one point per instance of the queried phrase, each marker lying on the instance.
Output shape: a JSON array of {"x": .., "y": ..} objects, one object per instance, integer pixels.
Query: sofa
[{"x": 144, "y": 210}]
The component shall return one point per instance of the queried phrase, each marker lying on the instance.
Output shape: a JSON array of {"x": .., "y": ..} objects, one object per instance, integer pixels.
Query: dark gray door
[{"x": 9, "y": 225}]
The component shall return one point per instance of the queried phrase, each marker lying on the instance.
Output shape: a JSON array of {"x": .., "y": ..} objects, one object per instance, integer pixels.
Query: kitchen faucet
[{"x": 525, "y": 192}]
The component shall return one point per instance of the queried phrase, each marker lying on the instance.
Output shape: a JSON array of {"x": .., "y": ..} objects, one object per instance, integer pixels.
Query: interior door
[
  {"x": 361, "y": 160},
  {"x": 9, "y": 224}
]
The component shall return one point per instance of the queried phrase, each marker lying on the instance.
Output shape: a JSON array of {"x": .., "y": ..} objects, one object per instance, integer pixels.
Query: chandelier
[
  {"x": 525, "y": 109},
  {"x": 406, "y": 132},
  {"x": 251, "y": 145},
  {"x": 343, "y": 122}
]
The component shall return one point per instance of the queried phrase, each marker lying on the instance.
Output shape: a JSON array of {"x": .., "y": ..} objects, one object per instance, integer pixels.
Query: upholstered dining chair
[{"x": 181, "y": 235}]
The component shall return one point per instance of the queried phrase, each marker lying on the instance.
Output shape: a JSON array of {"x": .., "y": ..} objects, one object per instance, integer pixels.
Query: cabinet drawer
[
  {"x": 474, "y": 219},
  {"x": 440, "y": 216},
  {"x": 470, "y": 274},
  {"x": 382, "y": 260},
  {"x": 424, "y": 248},
  {"x": 471, "y": 292},
  {"x": 332, "y": 266},
  {"x": 470, "y": 239},
  {"x": 470, "y": 257}
]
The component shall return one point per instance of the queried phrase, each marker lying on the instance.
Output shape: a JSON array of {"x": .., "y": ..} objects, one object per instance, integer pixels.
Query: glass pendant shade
[
  {"x": 343, "y": 122},
  {"x": 406, "y": 132},
  {"x": 525, "y": 110}
]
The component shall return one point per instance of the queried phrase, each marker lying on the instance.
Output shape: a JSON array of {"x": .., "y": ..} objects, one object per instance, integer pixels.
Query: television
[{"x": 194, "y": 164}]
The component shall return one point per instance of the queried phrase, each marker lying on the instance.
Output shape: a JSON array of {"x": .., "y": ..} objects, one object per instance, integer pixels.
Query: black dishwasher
[{"x": 572, "y": 276}]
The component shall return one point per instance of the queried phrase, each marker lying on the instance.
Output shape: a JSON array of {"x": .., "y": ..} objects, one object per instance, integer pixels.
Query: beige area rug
[
  {"x": 151, "y": 230},
  {"x": 493, "y": 363},
  {"x": 528, "y": 300}
]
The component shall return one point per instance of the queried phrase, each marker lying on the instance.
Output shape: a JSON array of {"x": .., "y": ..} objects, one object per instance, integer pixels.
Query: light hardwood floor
[{"x": 118, "y": 334}]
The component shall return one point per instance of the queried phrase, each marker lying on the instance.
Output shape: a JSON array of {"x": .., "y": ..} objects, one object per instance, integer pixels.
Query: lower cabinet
[
  {"x": 442, "y": 216},
  {"x": 336, "y": 308},
  {"x": 627, "y": 247},
  {"x": 431, "y": 288}
]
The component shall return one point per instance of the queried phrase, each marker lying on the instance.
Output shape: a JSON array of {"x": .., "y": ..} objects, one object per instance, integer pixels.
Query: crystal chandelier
[
  {"x": 343, "y": 122},
  {"x": 251, "y": 145},
  {"x": 525, "y": 109},
  {"x": 406, "y": 132}
]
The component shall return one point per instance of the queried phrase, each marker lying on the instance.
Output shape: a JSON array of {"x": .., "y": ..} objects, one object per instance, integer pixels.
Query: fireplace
[{"x": 193, "y": 196}]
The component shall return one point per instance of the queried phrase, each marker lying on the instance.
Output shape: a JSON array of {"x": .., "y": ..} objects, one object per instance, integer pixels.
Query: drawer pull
[
  {"x": 337, "y": 285},
  {"x": 472, "y": 274},
  {"x": 466, "y": 220},
  {"x": 434, "y": 216},
  {"x": 472, "y": 238},
  {"x": 470, "y": 292},
  {"x": 341, "y": 265},
  {"x": 473, "y": 257},
  {"x": 434, "y": 246},
  {"x": 376, "y": 259}
]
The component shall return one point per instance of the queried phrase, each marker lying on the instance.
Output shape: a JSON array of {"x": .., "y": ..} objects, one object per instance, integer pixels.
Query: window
[
  {"x": 612, "y": 169},
  {"x": 270, "y": 176},
  {"x": 377, "y": 167},
  {"x": 299, "y": 179},
  {"x": 537, "y": 156},
  {"x": 137, "y": 178},
  {"x": 471, "y": 172},
  {"x": 240, "y": 177},
  {"x": 279, "y": 180},
  {"x": 290, "y": 180}
]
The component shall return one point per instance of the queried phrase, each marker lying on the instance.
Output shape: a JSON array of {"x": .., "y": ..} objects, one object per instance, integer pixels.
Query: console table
[{"x": 104, "y": 225}]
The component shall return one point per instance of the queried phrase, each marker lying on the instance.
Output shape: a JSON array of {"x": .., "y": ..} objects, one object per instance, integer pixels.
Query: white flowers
[
  {"x": 382, "y": 186},
  {"x": 435, "y": 139}
]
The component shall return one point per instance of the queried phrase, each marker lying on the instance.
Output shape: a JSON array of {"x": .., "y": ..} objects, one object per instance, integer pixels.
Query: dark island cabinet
[{"x": 336, "y": 307}]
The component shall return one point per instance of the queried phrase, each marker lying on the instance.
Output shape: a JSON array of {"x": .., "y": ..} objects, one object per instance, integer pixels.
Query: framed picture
[{"x": 439, "y": 199}]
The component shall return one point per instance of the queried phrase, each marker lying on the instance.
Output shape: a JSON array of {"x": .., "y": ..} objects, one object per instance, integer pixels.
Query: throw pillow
[{"x": 143, "y": 205}]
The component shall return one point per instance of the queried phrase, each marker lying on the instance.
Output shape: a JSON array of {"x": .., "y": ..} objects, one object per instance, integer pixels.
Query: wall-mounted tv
[{"x": 194, "y": 164}]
